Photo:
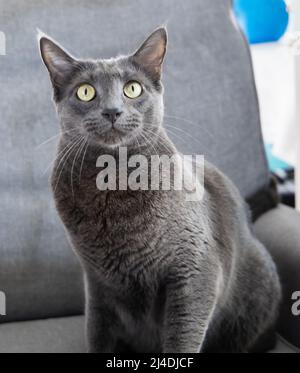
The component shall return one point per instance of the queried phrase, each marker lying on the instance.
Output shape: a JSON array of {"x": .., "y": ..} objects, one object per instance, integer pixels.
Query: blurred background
[{"x": 272, "y": 28}]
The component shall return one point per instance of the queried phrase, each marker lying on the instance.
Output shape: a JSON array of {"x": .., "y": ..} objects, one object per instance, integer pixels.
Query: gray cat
[{"x": 162, "y": 274}]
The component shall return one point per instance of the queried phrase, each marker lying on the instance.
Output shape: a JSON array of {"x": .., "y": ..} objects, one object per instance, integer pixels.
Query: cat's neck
[{"x": 78, "y": 165}]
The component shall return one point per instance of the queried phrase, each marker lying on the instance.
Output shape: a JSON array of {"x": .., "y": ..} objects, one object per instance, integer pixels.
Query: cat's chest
[
  {"x": 110, "y": 218},
  {"x": 119, "y": 232},
  {"x": 110, "y": 213},
  {"x": 98, "y": 209}
]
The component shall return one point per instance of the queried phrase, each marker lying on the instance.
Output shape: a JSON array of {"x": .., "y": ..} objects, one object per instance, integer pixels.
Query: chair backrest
[{"x": 211, "y": 108}]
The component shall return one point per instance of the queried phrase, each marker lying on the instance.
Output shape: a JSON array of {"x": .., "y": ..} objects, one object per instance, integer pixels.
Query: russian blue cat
[{"x": 162, "y": 274}]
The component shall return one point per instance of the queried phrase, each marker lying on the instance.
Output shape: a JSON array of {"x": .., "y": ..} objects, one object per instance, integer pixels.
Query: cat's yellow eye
[
  {"x": 86, "y": 92},
  {"x": 133, "y": 89}
]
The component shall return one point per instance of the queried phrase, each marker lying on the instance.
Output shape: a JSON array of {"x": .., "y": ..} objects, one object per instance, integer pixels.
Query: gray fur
[{"x": 162, "y": 274}]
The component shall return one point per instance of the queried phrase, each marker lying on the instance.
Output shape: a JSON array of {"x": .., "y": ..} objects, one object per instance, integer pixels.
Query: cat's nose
[{"x": 111, "y": 114}]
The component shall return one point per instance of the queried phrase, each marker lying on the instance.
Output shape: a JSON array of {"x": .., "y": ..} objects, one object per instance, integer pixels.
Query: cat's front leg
[
  {"x": 99, "y": 325},
  {"x": 101, "y": 319},
  {"x": 190, "y": 303}
]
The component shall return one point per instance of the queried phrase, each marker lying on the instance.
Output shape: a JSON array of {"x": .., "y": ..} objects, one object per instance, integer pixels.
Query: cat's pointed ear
[
  {"x": 151, "y": 54},
  {"x": 59, "y": 63}
]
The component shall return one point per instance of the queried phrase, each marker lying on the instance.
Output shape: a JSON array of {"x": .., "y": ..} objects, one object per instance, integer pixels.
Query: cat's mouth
[{"x": 112, "y": 135}]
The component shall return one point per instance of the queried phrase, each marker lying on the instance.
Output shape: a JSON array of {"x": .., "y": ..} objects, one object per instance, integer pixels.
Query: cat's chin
[
  {"x": 106, "y": 144},
  {"x": 113, "y": 139},
  {"x": 110, "y": 146},
  {"x": 110, "y": 138}
]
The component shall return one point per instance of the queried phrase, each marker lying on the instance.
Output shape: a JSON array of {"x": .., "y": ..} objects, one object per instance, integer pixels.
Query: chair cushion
[
  {"x": 39, "y": 273},
  {"x": 64, "y": 335},
  {"x": 279, "y": 230},
  {"x": 284, "y": 347}
]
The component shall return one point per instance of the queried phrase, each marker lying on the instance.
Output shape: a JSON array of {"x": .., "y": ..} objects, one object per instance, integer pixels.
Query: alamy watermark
[
  {"x": 158, "y": 172},
  {"x": 2, "y": 304},
  {"x": 296, "y": 304},
  {"x": 2, "y": 44}
]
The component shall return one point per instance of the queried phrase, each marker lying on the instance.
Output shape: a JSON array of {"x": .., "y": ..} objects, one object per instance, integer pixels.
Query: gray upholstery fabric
[
  {"x": 284, "y": 347},
  {"x": 208, "y": 80},
  {"x": 65, "y": 335},
  {"x": 279, "y": 231}
]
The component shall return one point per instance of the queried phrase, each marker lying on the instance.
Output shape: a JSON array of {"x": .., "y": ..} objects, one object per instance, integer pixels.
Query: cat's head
[{"x": 115, "y": 102}]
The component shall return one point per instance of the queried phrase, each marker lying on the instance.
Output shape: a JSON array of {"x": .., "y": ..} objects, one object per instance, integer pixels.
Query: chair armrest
[
  {"x": 39, "y": 273},
  {"x": 279, "y": 230}
]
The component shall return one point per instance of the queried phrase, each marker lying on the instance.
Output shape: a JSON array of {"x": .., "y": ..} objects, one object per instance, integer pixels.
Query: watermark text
[
  {"x": 158, "y": 172},
  {"x": 2, "y": 44},
  {"x": 2, "y": 304},
  {"x": 296, "y": 304}
]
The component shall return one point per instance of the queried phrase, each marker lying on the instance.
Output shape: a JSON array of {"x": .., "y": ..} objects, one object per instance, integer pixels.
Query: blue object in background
[
  {"x": 262, "y": 20},
  {"x": 275, "y": 163}
]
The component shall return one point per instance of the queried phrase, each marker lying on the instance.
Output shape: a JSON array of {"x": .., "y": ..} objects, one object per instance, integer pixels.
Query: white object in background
[
  {"x": 274, "y": 75},
  {"x": 297, "y": 119},
  {"x": 294, "y": 28},
  {"x": 277, "y": 75},
  {"x": 2, "y": 44},
  {"x": 294, "y": 11}
]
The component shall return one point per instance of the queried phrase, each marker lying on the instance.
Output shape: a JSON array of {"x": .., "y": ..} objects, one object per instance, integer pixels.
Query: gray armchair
[{"x": 211, "y": 109}]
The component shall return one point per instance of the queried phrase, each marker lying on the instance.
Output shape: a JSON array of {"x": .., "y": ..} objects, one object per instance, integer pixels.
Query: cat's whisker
[
  {"x": 83, "y": 158},
  {"x": 182, "y": 131},
  {"x": 57, "y": 157},
  {"x": 180, "y": 138},
  {"x": 169, "y": 125},
  {"x": 77, "y": 154},
  {"x": 175, "y": 135},
  {"x": 157, "y": 135},
  {"x": 66, "y": 157},
  {"x": 152, "y": 144},
  {"x": 48, "y": 140},
  {"x": 137, "y": 140},
  {"x": 149, "y": 142},
  {"x": 146, "y": 140},
  {"x": 170, "y": 117},
  {"x": 70, "y": 147},
  {"x": 180, "y": 119},
  {"x": 53, "y": 138}
]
